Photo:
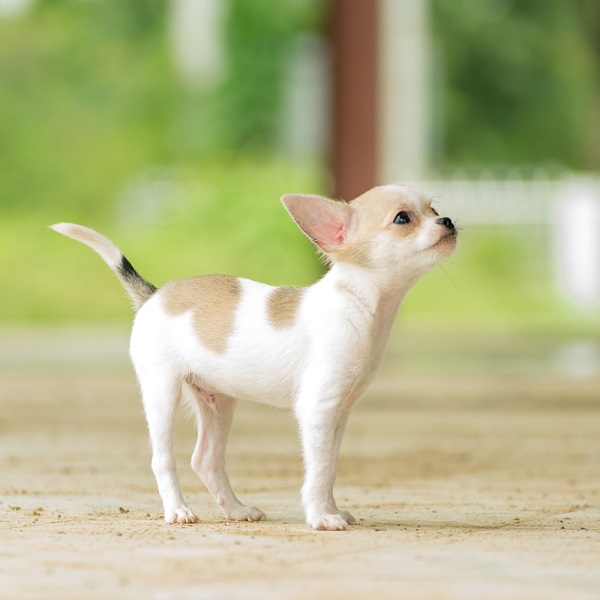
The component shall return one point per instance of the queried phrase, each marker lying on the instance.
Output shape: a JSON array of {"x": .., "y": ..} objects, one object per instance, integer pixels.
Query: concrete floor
[{"x": 465, "y": 486}]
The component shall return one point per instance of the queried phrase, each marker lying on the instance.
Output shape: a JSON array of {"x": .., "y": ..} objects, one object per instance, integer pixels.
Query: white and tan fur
[{"x": 310, "y": 349}]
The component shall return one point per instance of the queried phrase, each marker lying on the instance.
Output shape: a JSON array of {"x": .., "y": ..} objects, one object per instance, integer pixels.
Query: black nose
[{"x": 446, "y": 222}]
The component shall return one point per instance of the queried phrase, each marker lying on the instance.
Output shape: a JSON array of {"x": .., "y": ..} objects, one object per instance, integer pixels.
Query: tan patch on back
[
  {"x": 282, "y": 306},
  {"x": 213, "y": 299}
]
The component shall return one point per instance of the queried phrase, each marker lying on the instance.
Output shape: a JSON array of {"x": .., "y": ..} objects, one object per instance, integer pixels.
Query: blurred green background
[{"x": 97, "y": 127}]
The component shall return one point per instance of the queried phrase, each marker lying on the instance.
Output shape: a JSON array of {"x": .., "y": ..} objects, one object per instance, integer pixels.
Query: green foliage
[
  {"x": 93, "y": 120},
  {"x": 244, "y": 113},
  {"x": 258, "y": 35},
  {"x": 498, "y": 278},
  {"x": 228, "y": 219},
  {"x": 89, "y": 97},
  {"x": 96, "y": 128},
  {"x": 521, "y": 82},
  {"x": 85, "y": 93}
]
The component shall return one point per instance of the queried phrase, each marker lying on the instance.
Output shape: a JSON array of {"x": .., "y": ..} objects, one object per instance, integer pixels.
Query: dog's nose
[{"x": 446, "y": 222}]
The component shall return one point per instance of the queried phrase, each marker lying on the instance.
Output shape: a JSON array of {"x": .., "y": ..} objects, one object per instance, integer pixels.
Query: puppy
[{"x": 310, "y": 349}]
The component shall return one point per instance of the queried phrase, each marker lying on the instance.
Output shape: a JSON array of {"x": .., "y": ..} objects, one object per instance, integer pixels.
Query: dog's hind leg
[
  {"x": 161, "y": 392},
  {"x": 215, "y": 413}
]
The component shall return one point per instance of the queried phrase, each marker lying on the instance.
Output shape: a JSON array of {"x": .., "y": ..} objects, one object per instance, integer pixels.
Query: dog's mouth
[{"x": 446, "y": 239}]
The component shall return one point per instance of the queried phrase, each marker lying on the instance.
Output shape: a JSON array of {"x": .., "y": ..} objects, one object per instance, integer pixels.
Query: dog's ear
[{"x": 324, "y": 221}]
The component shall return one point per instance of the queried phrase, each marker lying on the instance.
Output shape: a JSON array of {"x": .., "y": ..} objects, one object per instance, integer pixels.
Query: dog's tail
[{"x": 138, "y": 289}]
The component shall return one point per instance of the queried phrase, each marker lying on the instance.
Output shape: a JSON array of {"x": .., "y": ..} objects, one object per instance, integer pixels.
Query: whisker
[{"x": 449, "y": 278}]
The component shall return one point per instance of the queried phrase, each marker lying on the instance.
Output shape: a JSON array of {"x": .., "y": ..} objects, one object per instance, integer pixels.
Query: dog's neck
[
  {"x": 372, "y": 299},
  {"x": 374, "y": 288},
  {"x": 362, "y": 307}
]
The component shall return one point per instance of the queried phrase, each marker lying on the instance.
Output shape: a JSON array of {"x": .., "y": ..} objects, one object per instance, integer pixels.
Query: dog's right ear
[{"x": 325, "y": 222}]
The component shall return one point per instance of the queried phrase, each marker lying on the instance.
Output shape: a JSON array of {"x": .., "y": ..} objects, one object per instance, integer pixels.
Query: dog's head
[{"x": 392, "y": 230}]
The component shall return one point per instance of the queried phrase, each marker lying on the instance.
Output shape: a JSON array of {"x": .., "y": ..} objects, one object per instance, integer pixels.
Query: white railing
[
  {"x": 512, "y": 201},
  {"x": 569, "y": 207}
]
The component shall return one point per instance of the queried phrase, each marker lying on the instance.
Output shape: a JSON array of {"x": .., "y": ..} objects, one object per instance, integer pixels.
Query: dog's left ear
[{"x": 324, "y": 221}]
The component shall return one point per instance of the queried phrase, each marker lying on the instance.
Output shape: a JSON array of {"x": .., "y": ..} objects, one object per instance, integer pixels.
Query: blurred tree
[
  {"x": 89, "y": 97},
  {"x": 244, "y": 113},
  {"x": 84, "y": 98},
  {"x": 521, "y": 82}
]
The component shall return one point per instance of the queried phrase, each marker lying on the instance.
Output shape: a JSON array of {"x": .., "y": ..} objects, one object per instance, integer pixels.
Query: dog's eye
[
  {"x": 402, "y": 218},
  {"x": 435, "y": 212}
]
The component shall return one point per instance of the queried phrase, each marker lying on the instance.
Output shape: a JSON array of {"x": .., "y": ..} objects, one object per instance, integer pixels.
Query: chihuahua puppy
[{"x": 310, "y": 349}]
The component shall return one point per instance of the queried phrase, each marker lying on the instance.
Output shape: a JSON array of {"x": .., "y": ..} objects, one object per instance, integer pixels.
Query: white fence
[
  {"x": 508, "y": 201},
  {"x": 569, "y": 207}
]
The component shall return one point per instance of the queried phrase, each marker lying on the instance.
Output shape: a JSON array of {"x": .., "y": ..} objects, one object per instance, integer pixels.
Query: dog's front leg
[{"x": 322, "y": 422}]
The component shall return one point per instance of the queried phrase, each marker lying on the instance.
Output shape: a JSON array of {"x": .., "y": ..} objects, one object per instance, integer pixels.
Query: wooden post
[{"x": 353, "y": 34}]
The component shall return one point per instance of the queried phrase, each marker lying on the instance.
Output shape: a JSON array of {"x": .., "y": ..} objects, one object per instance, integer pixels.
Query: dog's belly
[
  {"x": 257, "y": 374},
  {"x": 258, "y": 363}
]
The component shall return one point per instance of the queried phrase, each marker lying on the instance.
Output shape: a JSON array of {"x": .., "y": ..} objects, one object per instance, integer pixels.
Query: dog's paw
[
  {"x": 347, "y": 517},
  {"x": 245, "y": 513},
  {"x": 329, "y": 522},
  {"x": 182, "y": 514}
]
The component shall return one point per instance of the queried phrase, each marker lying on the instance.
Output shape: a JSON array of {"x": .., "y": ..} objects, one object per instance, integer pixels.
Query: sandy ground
[{"x": 464, "y": 487}]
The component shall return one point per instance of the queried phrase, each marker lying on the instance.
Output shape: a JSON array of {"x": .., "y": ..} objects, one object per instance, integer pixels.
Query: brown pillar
[{"x": 353, "y": 33}]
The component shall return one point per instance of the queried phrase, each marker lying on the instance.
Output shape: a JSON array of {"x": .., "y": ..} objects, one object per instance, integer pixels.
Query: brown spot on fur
[
  {"x": 213, "y": 300},
  {"x": 283, "y": 304}
]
